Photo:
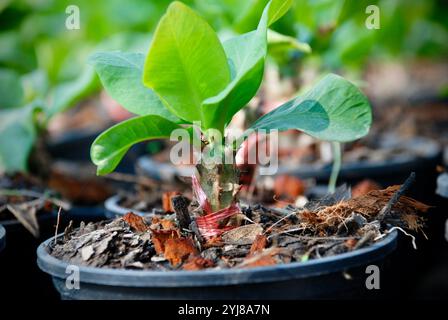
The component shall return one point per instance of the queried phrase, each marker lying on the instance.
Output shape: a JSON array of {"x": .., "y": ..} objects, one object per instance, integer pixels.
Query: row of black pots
[{"x": 386, "y": 173}]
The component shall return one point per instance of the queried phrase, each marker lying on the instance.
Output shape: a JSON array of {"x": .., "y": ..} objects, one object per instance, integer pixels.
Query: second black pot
[{"x": 19, "y": 275}]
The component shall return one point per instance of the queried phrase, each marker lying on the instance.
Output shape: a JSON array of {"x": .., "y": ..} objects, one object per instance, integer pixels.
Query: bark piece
[
  {"x": 242, "y": 235},
  {"x": 180, "y": 207}
]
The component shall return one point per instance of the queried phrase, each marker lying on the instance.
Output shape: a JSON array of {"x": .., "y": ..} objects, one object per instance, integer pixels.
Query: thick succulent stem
[{"x": 220, "y": 184}]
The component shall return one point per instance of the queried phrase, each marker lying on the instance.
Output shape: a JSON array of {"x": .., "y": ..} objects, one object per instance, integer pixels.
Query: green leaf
[
  {"x": 186, "y": 63},
  {"x": 35, "y": 85},
  {"x": 109, "y": 148},
  {"x": 121, "y": 75},
  {"x": 251, "y": 10},
  {"x": 333, "y": 110},
  {"x": 17, "y": 136},
  {"x": 246, "y": 54},
  {"x": 278, "y": 41},
  {"x": 277, "y": 9},
  {"x": 11, "y": 90}
]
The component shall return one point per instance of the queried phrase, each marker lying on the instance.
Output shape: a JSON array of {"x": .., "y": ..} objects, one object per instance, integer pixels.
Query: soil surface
[{"x": 244, "y": 236}]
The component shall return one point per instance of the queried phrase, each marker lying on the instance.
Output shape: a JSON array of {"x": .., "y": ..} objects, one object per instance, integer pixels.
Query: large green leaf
[
  {"x": 17, "y": 136},
  {"x": 121, "y": 75},
  {"x": 109, "y": 148},
  {"x": 186, "y": 63},
  {"x": 246, "y": 55},
  {"x": 333, "y": 110},
  {"x": 11, "y": 90}
]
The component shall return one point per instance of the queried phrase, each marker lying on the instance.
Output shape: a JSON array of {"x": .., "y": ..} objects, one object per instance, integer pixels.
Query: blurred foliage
[{"x": 43, "y": 67}]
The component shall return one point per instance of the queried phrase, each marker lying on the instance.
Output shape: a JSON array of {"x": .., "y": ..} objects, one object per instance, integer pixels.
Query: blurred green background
[{"x": 44, "y": 70}]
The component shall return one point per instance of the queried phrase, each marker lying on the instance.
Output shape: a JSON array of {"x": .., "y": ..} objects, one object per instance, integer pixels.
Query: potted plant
[{"x": 189, "y": 76}]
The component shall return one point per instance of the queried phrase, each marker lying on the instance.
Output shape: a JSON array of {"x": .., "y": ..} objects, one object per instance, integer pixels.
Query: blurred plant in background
[{"x": 43, "y": 69}]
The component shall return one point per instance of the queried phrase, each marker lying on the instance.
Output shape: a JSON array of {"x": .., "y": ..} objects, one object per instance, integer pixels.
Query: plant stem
[
  {"x": 218, "y": 182},
  {"x": 337, "y": 161}
]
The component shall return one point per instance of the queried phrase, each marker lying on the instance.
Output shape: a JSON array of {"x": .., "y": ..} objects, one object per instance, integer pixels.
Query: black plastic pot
[
  {"x": 160, "y": 170},
  {"x": 2, "y": 238},
  {"x": 75, "y": 146},
  {"x": 85, "y": 214},
  {"x": 321, "y": 278},
  {"x": 113, "y": 208},
  {"x": 389, "y": 172},
  {"x": 19, "y": 275}
]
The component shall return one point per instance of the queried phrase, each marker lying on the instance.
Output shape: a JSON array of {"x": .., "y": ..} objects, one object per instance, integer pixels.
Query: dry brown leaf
[
  {"x": 166, "y": 200},
  {"x": 262, "y": 259},
  {"x": 258, "y": 245},
  {"x": 136, "y": 222},
  {"x": 179, "y": 249},
  {"x": 166, "y": 224},
  {"x": 198, "y": 263},
  {"x": 213, "y": 242},
  {"x": 160, "y": 237},
  {"x": 26, "y": 215}
]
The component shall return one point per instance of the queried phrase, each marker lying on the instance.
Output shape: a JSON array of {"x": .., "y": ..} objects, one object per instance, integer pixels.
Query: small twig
[
  {"x": 276, "y": 223},
  {"x": 57, "y": 225},
  {"x": 364, "y": 240},
  {"x": 396, "y": 196}
]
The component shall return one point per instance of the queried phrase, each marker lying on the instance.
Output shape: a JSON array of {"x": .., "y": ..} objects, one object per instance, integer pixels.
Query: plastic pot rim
[
  {"x": 206, "y": 278},
  {"x": 2, "y": 237},
  {"x": 365, "y": 168},
  {"x": 111, "y": 205}
]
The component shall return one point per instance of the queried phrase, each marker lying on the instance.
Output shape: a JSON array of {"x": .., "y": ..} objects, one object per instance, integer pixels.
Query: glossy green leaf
[
  {"x": 186, "y": 63},
  {"x": 109, "y": 148},
  {"x": 246, "y": 54},
  {"x": 121, "y": 75},
  {"x": 11, "y": 91},
  {"x": 277, "y": 9},
  {"x": 333, "y": 110}
]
